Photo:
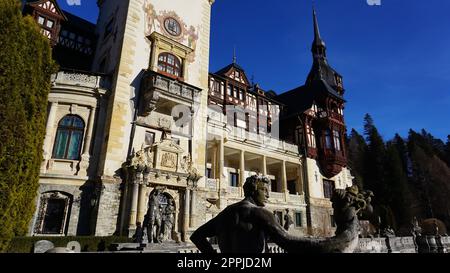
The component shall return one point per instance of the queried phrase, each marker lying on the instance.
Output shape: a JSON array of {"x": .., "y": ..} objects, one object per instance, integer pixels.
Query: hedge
[
  {"x": 88, "y": 243},
  {"x": 25, "y": 69}
]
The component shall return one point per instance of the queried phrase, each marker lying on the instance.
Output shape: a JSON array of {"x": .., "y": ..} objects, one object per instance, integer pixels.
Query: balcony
[{"x": 160, "y": 88}]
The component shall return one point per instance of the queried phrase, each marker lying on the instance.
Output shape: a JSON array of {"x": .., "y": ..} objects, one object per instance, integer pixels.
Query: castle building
[{"x": 135, "y": 115}]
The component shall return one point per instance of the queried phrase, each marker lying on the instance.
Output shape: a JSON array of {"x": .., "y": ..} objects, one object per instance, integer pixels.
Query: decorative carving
[
  {"x": 164, "y": 123},
  {"x": 169, "y": 160},
  {"x": 78, "y": 77},
  {"x": 187, "y": 35}
]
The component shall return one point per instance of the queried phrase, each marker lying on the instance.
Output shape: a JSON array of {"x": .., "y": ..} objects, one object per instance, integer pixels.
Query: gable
[
  {"x": 50, "y": 6},
  {"x": 237, "y": 75}
]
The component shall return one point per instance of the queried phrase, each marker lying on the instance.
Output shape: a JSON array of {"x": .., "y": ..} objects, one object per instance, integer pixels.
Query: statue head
[{"x": 256, "y": 187}]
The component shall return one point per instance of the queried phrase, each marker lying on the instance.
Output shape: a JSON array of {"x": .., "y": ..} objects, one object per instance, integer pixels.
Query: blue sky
[{"x": 395, "y": 58}]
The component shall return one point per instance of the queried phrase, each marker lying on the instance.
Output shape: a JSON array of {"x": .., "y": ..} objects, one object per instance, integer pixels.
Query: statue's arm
[{"x": 199, "y": 237}]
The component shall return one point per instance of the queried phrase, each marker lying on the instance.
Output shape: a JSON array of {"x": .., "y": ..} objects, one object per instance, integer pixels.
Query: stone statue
[
  {"x": 168, "y": 220},
  {"x": 153, "y": 217},
  {"x": 287, "y": 220},
  {"x": 245, "y": 226}
]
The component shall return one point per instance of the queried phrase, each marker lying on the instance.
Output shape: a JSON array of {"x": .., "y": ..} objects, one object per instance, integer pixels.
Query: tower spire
[
  {"x": 318, "y": 47},
  {"x": 234, "y": 55}
]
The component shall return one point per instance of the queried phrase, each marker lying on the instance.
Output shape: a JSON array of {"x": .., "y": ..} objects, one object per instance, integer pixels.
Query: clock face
[{"x": 172, "y": 26}]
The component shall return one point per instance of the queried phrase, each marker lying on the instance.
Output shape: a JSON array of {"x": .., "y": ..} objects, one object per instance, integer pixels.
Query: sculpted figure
[
  {"x": 287, "y": 220},
  {"x": 168, "y": 220},
  {"x": 245, "y": 226},
  {"x": 153, "y": 217}
]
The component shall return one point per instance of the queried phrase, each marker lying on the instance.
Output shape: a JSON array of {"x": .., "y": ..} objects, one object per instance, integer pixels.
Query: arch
[
  {"x": 69, "y": 138},
  {"x": 54, "y": 213}
]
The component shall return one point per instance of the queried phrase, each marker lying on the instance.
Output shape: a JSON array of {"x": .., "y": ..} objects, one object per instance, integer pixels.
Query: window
[
  {"x": 328, "y": 188},
  {"x": 149, "y": 138},
  {"x": 269, "y": 125},
  {"x": 50, "y": 23},
  {"x": 241, "y": 95},
  {"x": 273, "y": 185},
  {"x": 69, "y": 137},
  {"x": 292, "y": 187},
  {"x": 41, "y": 20},
  {"x": 54, "y": 216},
  {"x": 337, "y": 140},
  {"x": 229, "y": 91},
  {"x": 328, "y": 139},
  {"x": 170, "y": 64},
  {"x": 298, "y": 219},
  {"x": 236, "y": 91},
  {"x": 209, "y": 173},
  {"x": 332, "y": 221},
  {"x": 233, "y": 179},
  {"x": 311, "y": 137},
  {"x": 53, "y": 213}
]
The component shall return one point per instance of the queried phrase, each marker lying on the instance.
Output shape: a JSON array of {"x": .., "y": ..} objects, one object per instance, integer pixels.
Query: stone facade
[{"x": 136, "y": 139}]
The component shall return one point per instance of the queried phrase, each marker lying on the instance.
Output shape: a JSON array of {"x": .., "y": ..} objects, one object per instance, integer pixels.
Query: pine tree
[
  {"x": 447, "y": 151},
  {"x": 431, "y": 178},
  {"x": 25, "y": 69},
  {"x": 397, "y": 192},
  {"x": 356, "y": 148},
  {"x": 375, "y": 173}
]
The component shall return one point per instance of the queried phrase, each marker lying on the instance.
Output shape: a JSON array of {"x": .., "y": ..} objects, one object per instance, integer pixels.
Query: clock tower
[{"x": 157, "y": 55}]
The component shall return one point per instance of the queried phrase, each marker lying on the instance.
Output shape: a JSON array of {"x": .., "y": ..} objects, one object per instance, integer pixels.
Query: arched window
[
  {"x": 170, "y": 64},
  {"x": 53, "y": 214},
  {"x": 69, "y": 138}
]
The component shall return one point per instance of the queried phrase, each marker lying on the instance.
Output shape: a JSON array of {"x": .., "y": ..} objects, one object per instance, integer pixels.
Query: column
[
  {"x": 134, "y": 202},
  {"x": 154, "y": 57},
  {"x": 214, "y": 166},
  {"x": 87, "y": 139},
  {"x": 300, "y": 180},
  {"x": 193, "y": 213},
  {"x": 48, "y": 135},
  {"x": 241, "y": 172},
  {"x": 221, "y": 162},
  {"x": 263, "y": 165},
  {"x": 284, "y": 180},
  {"x": 186, "y": 213},
  {"x": 85, "y": 157},
  {"x": 142, "y": 208}
]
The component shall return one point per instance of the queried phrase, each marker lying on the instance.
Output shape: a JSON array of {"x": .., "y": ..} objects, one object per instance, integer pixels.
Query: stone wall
[{"x": 108, "y": 209}]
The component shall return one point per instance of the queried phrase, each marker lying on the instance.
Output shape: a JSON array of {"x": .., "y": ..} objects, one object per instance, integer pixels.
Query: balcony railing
[
  {"x": 277, "y": 195},
  {"x": 156, "y": 86}
]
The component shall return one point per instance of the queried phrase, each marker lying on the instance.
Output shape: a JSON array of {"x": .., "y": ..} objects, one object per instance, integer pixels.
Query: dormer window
[{"x": 170, "y": 64}]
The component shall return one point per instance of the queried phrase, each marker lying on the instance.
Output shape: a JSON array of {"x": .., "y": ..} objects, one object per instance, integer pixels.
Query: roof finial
[{"x": 234, "y": 55}]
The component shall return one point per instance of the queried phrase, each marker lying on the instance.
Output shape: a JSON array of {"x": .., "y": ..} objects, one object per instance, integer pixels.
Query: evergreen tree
[
  {"x": 356, "y": 147},
  {"x": 447, "y": 151},
  {"x": 375, "y": 174},
  {"x": 25, "y": 69},
  {"x": 397, "y": 192},
  {"x": 431, "y": 178}
]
